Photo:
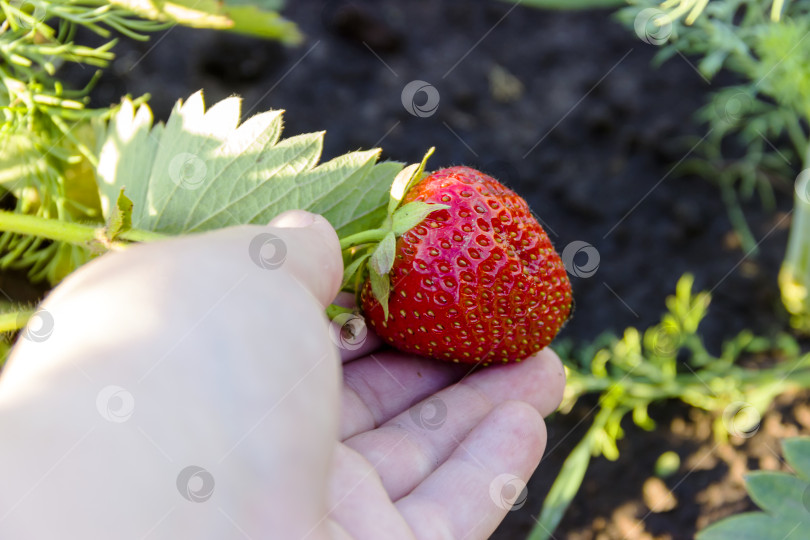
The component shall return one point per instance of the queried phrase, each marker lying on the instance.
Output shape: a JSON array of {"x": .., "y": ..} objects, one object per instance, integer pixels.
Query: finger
[
  {"x": 435, "y": 425},
  {"x": 313, "y": 252},
  {"x": 385, "y": 383},
  {"x": 469, "y": 495},
  {"x": 358, "y": 502},
  {"x": 211, "y": 355},
  {"x": 193, "y": 282}
]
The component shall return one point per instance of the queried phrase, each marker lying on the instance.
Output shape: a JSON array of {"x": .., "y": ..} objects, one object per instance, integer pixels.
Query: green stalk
[
  {"x": 569, "y": 480},
  {"x": 71, "y": 233},
  {"x": 794, "y": 276},
  {"x": 140, "y": 235},
  {"x": 363, "y": 237}
]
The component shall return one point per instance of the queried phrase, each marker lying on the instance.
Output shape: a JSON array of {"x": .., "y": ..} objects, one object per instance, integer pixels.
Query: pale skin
[{"x": 187, "y": 353}]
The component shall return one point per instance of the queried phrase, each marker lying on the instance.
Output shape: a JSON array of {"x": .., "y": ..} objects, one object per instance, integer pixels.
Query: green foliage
[
  {"x": 202, "y": 170},
  {"x": 783, "y": 69},
  {"x": 668, "y": 361},
  {"x": 120, "y": 220},
  {"x": 764, "y": 119},
  {"x": 783, "y": 497},
  {"x": 48, "y": 136},
  {"x": 371, "y": 251},
  {"x": 767, "y": 112}
]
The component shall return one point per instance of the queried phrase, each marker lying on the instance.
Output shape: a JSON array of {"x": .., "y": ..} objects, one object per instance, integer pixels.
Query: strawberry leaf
[
  {"x": 399, "y": 186},
  {"x": 412, "y": 214},
  {"x": 121, "y": 218},
  {"x": 405, "y": 180},
  {"x": 350, "y": 272},
  {"x": 380, "y": 287},
  {"x": 358, "y": 200},
  {"x": 202, "y": 170},
  {"x": 382, "y": 260}
]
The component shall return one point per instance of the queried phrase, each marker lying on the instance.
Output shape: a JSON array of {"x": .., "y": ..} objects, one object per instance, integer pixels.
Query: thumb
[{"x": 309, "y": 249}]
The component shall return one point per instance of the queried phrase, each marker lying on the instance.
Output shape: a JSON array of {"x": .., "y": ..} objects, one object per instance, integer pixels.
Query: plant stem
[
  {"x": 795, "y": 373},
  {"x": 140, "y": 235},
  {"x": 794, "y": 276},
  {"x": 71, "y": 233},
  {"x": 364, "y": 237}
]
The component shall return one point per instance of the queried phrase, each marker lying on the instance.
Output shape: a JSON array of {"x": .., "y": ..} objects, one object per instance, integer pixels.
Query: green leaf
[
  {"x": 712, "y": 62},
  {"x": 121, "y": 218},
  {"x": 753, "y": 526},
  {"x": 253, "y": 18},
  {"x": 202, "y": 170},
  {"x": 351, "y": 270},
  {"x": 400, "y": 184},
  {"x": 779, "y": 494},
  {"x": 382, "y": 260},
  {"x": 346, "y": 194},
  {"x": 797, "y": 454},
  {"x": 380, "y": 287},
  {"x": 409, "y": 216},
  {"x": 564, "y": 489},
  {"x": 405, "y": 181}
]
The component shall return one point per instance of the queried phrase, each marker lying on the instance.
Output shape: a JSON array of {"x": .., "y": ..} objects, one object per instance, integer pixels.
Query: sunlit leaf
[{"x": 202, "y": 170}]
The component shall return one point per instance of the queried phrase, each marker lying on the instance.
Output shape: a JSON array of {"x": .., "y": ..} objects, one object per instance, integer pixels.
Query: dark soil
[{"x": 589, "y": 136}]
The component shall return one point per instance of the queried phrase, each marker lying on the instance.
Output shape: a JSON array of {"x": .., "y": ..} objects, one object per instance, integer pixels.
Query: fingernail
[{"x": 294, "y": 219}]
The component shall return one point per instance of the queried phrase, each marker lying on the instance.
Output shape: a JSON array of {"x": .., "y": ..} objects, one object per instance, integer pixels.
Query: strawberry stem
[
  {"x": 363, "y": 237},
  {"x": 71, "y": 233}
]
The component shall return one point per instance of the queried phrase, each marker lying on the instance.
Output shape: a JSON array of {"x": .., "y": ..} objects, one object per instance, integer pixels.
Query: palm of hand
[{"x": 430, "y": 450}]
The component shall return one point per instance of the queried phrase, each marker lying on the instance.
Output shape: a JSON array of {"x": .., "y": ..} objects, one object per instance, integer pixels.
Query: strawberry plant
[
  {"x": 53, "y": 218},
  {"x": 441, "y": 263},
  {"x": 91, "y": 180},
  {"x": 202, "y": 171}
]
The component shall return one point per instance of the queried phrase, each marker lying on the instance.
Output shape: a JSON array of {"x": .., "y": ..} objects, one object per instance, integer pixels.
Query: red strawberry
[{"x": 477, "y": 282}]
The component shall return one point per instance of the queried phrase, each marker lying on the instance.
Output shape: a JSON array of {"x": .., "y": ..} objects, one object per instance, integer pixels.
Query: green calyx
[{"x": 371, "y": 253}]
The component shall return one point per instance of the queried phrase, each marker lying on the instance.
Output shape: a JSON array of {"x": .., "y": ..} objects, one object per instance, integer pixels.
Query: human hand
[
  {"x": 430, "y": 450},
  {"x": 208, "y": 352}
]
